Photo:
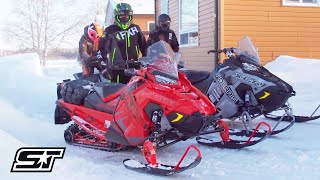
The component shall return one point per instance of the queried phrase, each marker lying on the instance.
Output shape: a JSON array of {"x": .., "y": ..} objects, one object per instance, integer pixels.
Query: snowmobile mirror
[
  {"x": 130, "y": 72},
  {"x": 177, "y": 56},
  {"x": 144, "y": 61},
  {"x": 181, "y": 64}
]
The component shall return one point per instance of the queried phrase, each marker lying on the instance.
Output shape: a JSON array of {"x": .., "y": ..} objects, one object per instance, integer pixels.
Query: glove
[
  {"x": 90, "y": 62},
  {"x": 106, "y": 74}
]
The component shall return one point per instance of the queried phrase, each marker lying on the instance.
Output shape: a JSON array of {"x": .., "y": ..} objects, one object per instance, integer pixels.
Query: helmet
[
  {"x": 123, "y": 15},
  {"x": 163, "y": 22},
  {"x": 95, "y": 32}
]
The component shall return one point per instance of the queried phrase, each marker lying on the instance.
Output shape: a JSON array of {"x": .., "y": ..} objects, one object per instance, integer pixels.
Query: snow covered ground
[{"x": 27, "y": 102}]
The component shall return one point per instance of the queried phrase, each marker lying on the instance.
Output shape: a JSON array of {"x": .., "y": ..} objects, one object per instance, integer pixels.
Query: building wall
[
  {"x": 157, "y": 3},
  {"x": 196, "y": 57},
  {"x": 274, "y": 29},
  {"x": 142, "y": 20}
]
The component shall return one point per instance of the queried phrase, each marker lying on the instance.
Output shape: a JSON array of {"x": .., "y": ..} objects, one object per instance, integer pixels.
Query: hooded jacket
[
  {"x": 87, "y": 47},
  {"x": 122, "y": 45}
]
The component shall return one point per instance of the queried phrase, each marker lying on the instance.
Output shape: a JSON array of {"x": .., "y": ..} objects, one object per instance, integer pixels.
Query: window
[
  {"x": 301, "y": 2},
  {"x": 188, "y": 22},
  {"x": 151, "y": 25},
  {"x": 164, "y": 7}
]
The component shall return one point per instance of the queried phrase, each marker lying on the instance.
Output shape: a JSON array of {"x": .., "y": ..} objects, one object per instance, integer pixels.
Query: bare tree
[
  {"x": 99, "y": 6},
  {"x": 44, "y": 24}
]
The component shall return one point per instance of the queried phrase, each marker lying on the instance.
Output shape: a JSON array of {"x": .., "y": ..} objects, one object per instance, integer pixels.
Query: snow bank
[
  {"x": 303, "y": 76},
  {"x": 30, "y": 88},
  {"x": 22, "y": 63}
]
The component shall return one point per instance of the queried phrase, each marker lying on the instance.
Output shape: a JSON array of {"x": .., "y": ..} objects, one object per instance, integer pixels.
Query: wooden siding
[
  {"x": 274, "y": 29},
  {"x": 157, "y": 3},
  {"x": 142, "y": 20},
  {"x": 196, "y": 57}
]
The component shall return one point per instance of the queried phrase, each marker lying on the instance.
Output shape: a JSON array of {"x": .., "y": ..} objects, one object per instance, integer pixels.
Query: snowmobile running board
[{"x": 158, "y": 169}]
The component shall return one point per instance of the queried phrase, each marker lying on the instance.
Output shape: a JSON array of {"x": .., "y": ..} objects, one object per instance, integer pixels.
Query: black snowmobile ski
[
  {"x": 228, "y": 143},
  {"x": 297, "y": 118},
  {"x": 264, "y": 132},
  {"x": 158, "y": 169}
]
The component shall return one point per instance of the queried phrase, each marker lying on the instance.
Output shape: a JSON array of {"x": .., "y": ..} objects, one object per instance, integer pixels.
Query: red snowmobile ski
[{"x": 157, "y": 108}]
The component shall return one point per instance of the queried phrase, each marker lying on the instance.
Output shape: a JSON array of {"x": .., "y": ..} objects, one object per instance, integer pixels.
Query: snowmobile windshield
[
  {"x": 161, "y": 60},
  {"x": 248, "y": 50}
]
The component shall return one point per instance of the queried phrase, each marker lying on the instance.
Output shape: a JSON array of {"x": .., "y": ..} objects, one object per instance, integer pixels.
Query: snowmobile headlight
[{"x": 165, "y": 80}]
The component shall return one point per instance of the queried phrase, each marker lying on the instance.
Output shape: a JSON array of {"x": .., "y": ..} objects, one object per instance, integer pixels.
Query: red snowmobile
[{"x": 157, "y": 108}]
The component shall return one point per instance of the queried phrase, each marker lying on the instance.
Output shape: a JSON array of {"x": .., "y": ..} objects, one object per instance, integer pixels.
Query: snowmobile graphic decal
[
  {"x": 248, "y": 79},
  {"x": 266, "y": 94},
  {"x": 179, "y": 117},
  {"x": 226, "y": 88}
]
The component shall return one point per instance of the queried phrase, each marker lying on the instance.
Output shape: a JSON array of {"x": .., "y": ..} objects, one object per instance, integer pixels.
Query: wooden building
[{"x": 276, "y": 27}]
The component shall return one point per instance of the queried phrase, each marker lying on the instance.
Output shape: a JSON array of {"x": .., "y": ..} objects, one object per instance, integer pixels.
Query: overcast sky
[{"x": 7, "y": 6}]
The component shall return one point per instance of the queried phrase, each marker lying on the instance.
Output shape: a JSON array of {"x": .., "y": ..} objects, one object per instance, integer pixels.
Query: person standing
[
  {"x": 164, "y": 33},
  {"x": 123, "y": 41},
  {"x": 88, "y": 49}
]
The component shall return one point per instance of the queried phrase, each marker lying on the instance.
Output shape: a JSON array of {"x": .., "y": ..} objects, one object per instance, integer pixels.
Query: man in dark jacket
[
  {"x": 88, "y": 49},
  {"x": 122, "y": 41},
  {"x": 163, "y": 32}
]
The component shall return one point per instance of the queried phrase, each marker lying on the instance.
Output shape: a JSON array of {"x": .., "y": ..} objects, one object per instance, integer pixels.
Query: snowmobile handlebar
[
  {"x": 224, "y": 50},
  {"x": 128, "y": 62},
  {"x": 130, "y": 72}
]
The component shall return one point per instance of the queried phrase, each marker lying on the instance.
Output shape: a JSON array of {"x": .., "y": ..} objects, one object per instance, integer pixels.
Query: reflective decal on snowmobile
[
  {"x": 266, "y": 94},
  {"x": 179, "y": 117}
]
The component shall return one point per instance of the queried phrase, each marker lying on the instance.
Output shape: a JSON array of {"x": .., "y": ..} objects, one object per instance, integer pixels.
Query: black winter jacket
[
  {"x": 169, "y": 36},
  {"x": 122, "y": 45}
]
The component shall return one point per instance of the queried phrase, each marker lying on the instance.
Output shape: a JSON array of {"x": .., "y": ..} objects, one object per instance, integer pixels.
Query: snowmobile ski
[
  {"x": 234, "y": 144},
  {"x": 158, "y": 169},
  {"x": 299, "y": 119},
  {"x": 263, "y": 133}
]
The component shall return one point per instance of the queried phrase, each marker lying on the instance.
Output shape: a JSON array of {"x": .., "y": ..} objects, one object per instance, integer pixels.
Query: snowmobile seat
[
  {"x": 92, "y": 78},
  {"x": 94, "y": 101},
  {"x": 105, "y": 89},
  {"x": 196, "y": 76}
]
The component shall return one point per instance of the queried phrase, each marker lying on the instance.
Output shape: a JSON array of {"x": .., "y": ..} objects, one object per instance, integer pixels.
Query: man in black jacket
[
  {"x": 163, "y": 32},
  {"x": 122, "y": 41}
]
